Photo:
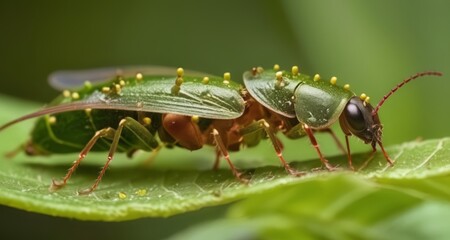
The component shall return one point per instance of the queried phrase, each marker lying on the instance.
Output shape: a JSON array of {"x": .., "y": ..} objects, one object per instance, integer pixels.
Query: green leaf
[
  {"x": 178, "y": 182},
  {"x": 337, "y": 207}
]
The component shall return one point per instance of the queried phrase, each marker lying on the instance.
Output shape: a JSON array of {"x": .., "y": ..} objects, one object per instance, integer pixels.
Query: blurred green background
[{"x": 372, "y": 45}]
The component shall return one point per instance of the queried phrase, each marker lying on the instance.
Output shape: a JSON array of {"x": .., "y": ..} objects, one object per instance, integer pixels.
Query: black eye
[{"x": 355, "y": 117}]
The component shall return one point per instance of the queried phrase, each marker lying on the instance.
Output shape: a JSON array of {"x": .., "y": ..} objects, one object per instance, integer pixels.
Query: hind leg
[{"x": 143, "y": 139}]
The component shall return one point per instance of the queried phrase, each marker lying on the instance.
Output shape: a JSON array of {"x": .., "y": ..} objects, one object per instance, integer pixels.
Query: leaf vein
[
  {"x": 437, "y": 149},
  {"x": 175, "y": 194}
]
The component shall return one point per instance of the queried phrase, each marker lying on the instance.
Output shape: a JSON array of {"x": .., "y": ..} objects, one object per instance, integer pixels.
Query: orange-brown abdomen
[{"x": 184, "y": 130}]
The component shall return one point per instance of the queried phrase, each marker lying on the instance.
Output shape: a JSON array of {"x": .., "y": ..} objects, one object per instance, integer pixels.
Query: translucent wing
[{"x": 73, "y": 79}]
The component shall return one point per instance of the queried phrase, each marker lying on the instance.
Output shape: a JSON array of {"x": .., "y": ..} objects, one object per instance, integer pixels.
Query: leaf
[
  {"x": 178, "y": 182},
  {"x": 338, "y": 207}
]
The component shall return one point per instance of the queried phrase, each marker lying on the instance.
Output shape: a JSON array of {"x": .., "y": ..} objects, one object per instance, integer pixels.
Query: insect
[{"x": 144, "y": 110}]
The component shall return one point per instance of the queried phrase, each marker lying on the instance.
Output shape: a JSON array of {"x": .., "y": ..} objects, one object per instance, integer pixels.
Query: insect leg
[
  {"x": 217, "y": 161},
  {"x": 388, "y": 159},
  {"x": 142, "y": 138},
  {"x": 14, "y": 152},
  {"x": 335, "y": 138},
  {"x": 349, "y": 154},
  {"x": 223, "y": 150},
  {"x": 369, "y": 159},
  {"x": 372, "y": 154},
  {"x": 313, "y": 140},
  {"x": 103, "y": 133},
  {"x": 276, "y": 145}
]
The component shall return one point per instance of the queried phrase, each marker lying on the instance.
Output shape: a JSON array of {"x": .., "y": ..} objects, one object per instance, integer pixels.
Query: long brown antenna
[{"x": 417, "y": 75}]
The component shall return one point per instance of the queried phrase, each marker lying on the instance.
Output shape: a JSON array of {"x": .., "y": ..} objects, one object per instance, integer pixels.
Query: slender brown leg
[
  {"x": 369, "y": 159},
  {"x": 316, "y": 146},
  {"x": 223, "y": 150},
  {"x": 106, "y": 132},
  {"x": 349, "y": 154},
  {"x": 217, "y": 161},
  {"x": 265, "y": 125},
  {"x": 388, "y": 159},
  {"x": 336, "y": 139},
  {"x": 111, "y": 152},
  {"x": 143, "y": 139},
  {"x": 14, "y": 152}
]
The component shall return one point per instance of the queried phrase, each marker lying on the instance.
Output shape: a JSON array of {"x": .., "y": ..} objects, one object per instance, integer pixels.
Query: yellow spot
[
  {"x": 279, "y": 75},
  {"x": 347, "y": 87},
  {"x": 333, "y": 80},
  {"x": 106, "y": 89},
  {"x": 179, "y": 81},
  {"x": 66, "y": 93},
  {"x": 88, "y": 111},
  {"x": 259, "y": 69},
  {"x": 139, "y": 76},
  {"x": 280, "y": 83},
  {"x": 180, "y": 72},
  {"x": 226, "y": 78},
  {"x": 363, "y": 96},
  {"x": 146, "y": 121},
  {"x": 205, "y": 80},
  {"x": 367, "y": 99},
  {"x": 316, "y": 77},
  {"x": 122, "y": 195},
  {"x": 295, "y": 70},
  {"x": 117, "y": 88},
  {"x": 87, "y": 85},
  {"x": 52, "y": 120},
  {"x": 141, "y": 192},
  {"x": 276, "y": 67},
  {"x": 75, "y": 95},
  {"x": 122, "y": 83},
  {"x": 195, "y": 119}
]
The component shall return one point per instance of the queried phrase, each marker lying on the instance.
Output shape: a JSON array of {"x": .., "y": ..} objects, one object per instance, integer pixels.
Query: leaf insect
[{"x": 146, "y": 108}]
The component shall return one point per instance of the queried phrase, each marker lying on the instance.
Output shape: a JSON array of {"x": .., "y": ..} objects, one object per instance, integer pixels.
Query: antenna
[{"x": 417, "y": 75}]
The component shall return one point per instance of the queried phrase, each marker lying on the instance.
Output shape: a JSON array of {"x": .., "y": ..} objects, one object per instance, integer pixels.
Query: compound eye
[{"x": 355, "y": 117}]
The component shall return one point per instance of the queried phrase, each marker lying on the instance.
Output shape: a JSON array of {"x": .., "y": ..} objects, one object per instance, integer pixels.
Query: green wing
[
  {"x": 154, "y": 94},
  {"x": 262, "y": 87},
  {"x": 217, "y": 99}
]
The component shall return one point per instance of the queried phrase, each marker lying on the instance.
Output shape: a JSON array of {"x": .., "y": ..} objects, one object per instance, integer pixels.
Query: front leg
[
  {"x": 264, "y": 125},
  {"x": 313, "y": 140}
]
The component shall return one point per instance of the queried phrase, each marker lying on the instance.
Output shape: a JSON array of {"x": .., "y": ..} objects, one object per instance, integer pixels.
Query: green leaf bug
[
  {"x": 317, "y": 104},
  {"x": 136, "y": 111}
]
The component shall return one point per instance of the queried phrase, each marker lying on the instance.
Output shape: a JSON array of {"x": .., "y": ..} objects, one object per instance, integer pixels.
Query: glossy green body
[
  {"x": 151, "y": 96},
  {"x": 315, "y": 103},
  {"x": 320, "y": 103}
]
